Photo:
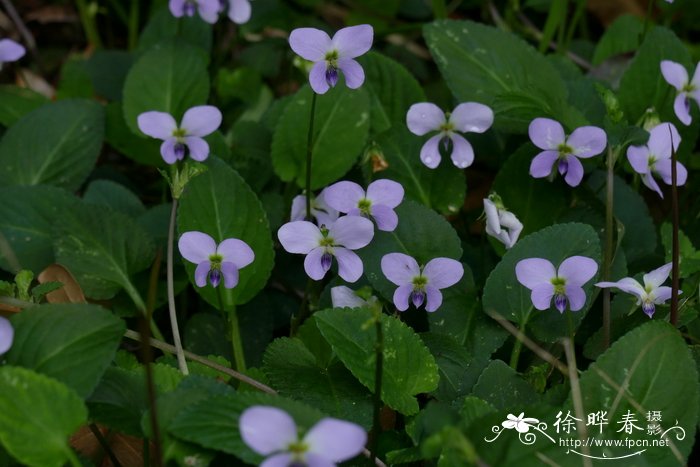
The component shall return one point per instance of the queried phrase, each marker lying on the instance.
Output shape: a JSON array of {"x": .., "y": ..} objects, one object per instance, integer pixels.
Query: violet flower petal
[
  {"x": 236, "y": 251},
  {"x": 532, "y": 272},
  {"x": 349, "y": 264},
  {"x": 541, "y": 296},
  {"x": 199, "y": 149},
  {"x": 317, "y": 460},
  {"x": 345, "y": 297},
  {"x": 208, "y": 10},
  {"x": 7, "y": 334},
  {"x": 587, "y": 141},
  {"x": 353, "y": 72},
  {"x": 627, "y": 285},
  {"x": 317, "y": 78},
  {"x": 336, "y": 440},
  {"x": 682, "y": 109},
  {"x": 313, "y": 264},
  {"x": 196, "y": 246},
  {"x": 167, "y": 150},
  {"x": 399, "y": 268},
  {"x": 177, "y": 7},
  {"x": 298, "y": 208},
  {"x": 157, "y": 124},
  {"x": 433, "y": 298},
  {"x": 279, "y": 460},
  {"x": 493, "y": 225},
  {"x": 650, "y": 183},
  {"x": 310, "y": 43},
  {"x": 638, "y": 157},
  {"x": 430, "y": 152},
  {"x": 299, "y": 236},
  {"x": 472, "y": 117},
  {"x": 201, "y": 273},
  {"x": 574, "y": 172},
  {"x": 201, "y": 120},
  {"x": 353, "y": 41},
  {"x": 239, "y": 11},
  {"x": 541, "y": 165},
  {"x": 576, "y": 296},
  {"x": 674, "y": 73},
  {"x": 267, "y": 429},
  {"x": 344, "y": 196},
  {"x": 386, "y": 218},
  {"x": 10, "y": 51},
  {"x": 351, "y": 232},
  {"x": 546, "y": 133},
  {"x": 663, "y": 168},
  {"x": 660, "y": 137},
  {"x": 662, "y": 294},
  {"x": 230, "y": 272},
  {"x": 386, "y": 192},
  {"x": 443, "y": 272},
  {"x": 658, "y": 276},
  {"x": 462, "y": 152},
  {"x": 401, "y": 296},
  {"x": 424, "y": 117},
  {"x": 577, "y": 270}
]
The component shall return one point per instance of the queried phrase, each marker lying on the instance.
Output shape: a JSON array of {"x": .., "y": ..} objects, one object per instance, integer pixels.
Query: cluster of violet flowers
[{"x": 238, "y": 11}]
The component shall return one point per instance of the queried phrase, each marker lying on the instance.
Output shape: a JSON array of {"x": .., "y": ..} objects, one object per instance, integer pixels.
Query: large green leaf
[
  {"x": 56, "y": 144},
  {"x": 503, "y": 293},
  {"x": 219, "y": 203},
  {"x": 409, "y": 369},
  {"x": 16, "y": 102},
  {"x": 170, "y": 77},
  {"x": 295, "y": 372},
  {"x": 341, "y": 125},
  {"x": 73, "y": 343},
  {"x": 484, "y": 64},
  {"x": 120, "y": 400},
  {"x": 27, "y": 224},
  {"x": 115, "y": 196},
  {"x": 620, "y": 37},
  {"x": 103, "y": 248},
  {"x": 120, "y": 136},
  {"x": 37, "y": 414},
  {"x": 163, "y": 26}
]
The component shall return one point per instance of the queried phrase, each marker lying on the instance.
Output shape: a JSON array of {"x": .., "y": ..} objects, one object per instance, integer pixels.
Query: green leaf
[
  {"x": 442, "y": 188},
  {"x": 537, "y": 203},
  {"x": 114, "y": 196},
  {"x": 120, "y": 400},
  {"x": 169, "y": 77},
  {"x": 26, "y": 224},
  {"x": 483, "y": 64},
  {"x": 689, "y": 262},
  {"x": 56, "y": 144},
  {"x": 421, "y": 233},
  {"x": 620, "y": 37},
  {"x": 103, "y": 248},
  {"x": 16, "y": 102},
  {"x": 107, "y": 70},
  {"x": 73, "y": 343},
  {"x": 39, "y": 291},
  {"x": 222, "y": 205},
  {"x": 118, "y": 135},
  {"x": 341, "y": 125},
  {"x": 37, "y": 414},
  {"x": 503, "y": 293},
  {"x": 409, "y": 369},
  {"x": 500, "y": 386},
  {"x": 454, "y": 362},
  {"x": 23, "y": 280},
  {"x": 163, "y": 26},
  {"x": 294, "y": 371}
]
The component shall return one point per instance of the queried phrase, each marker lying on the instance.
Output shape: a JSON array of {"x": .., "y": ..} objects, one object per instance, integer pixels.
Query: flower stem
[
  {"x": 133, "y": 24},
  {"x": 675, "y": 249},
  {"x": 439, "y": 9},
  {"x": 647, "y": 20},
  {"x": 607, "y": 255},
  {"x": 309, "y": 153},
  {"x": 378, "y": 372},
  {"x": 87, "y": 18},
  {"x": 236, "y": 341},
  {"x": 518, "y": 345},
  {"x": 182, "y": 363}
]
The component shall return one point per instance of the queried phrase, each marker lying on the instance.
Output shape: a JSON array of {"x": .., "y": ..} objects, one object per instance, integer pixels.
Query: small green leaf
[
  {"x": 40, "y": 291},
  {"x": 114, "y": 196},
  {"x": 16, "y": 102},
  {"x": 23, "y": 280}
]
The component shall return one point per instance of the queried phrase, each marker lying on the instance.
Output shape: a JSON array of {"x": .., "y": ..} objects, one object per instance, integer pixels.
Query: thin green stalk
[
  {"x": 182, "y": 363},
  {"x": 304, "y": 309},
  {"x": 87, "y": 19},
  {"x": 378, "y": 373},
  {"x": 647, "y": 21},
  {"x": 439, "y": 9},
  {"x": 675, "y": 278},
  {"x": 578, "y": 15},
  {"x": 141, "y": 306},
  {"x": 133, "y": 24},
  {"x": 147, "y": 358},
  {"x": 236, "y": 341},
  {"x": 518, "y": 345},
  {"x": 607, "y": 254},
  {"x": 309, "y": 154}
]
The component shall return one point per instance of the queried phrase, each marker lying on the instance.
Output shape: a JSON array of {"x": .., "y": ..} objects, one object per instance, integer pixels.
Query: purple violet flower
[
  {"x": 215, "y": 261},
  {"x": 239, "y": 11},
  {"x": 333, "y": 55},
  {"x": 320, "y": 245},
  {"x": 10, "y": 51},
  {"x": 320, "y": 210},
  {"x": 676, "y": 75},
  {"x": 655, "y": 157},
  {"x": 565, "y": 152},
  {"x": 379, "y": 202},
  {"x": 208, "y": 9},
  {"x": 564, "y": 285},
  {"x": 424, "y": 117},
  {"x": 187, "y": 138},
  {"x": 501, "y": 223},
  {"x": 7, "y": 334},
  {"x": 271, "y": 432},
  {"x": 420, "y": 284},
  {"x": 651, "y": 294}
]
